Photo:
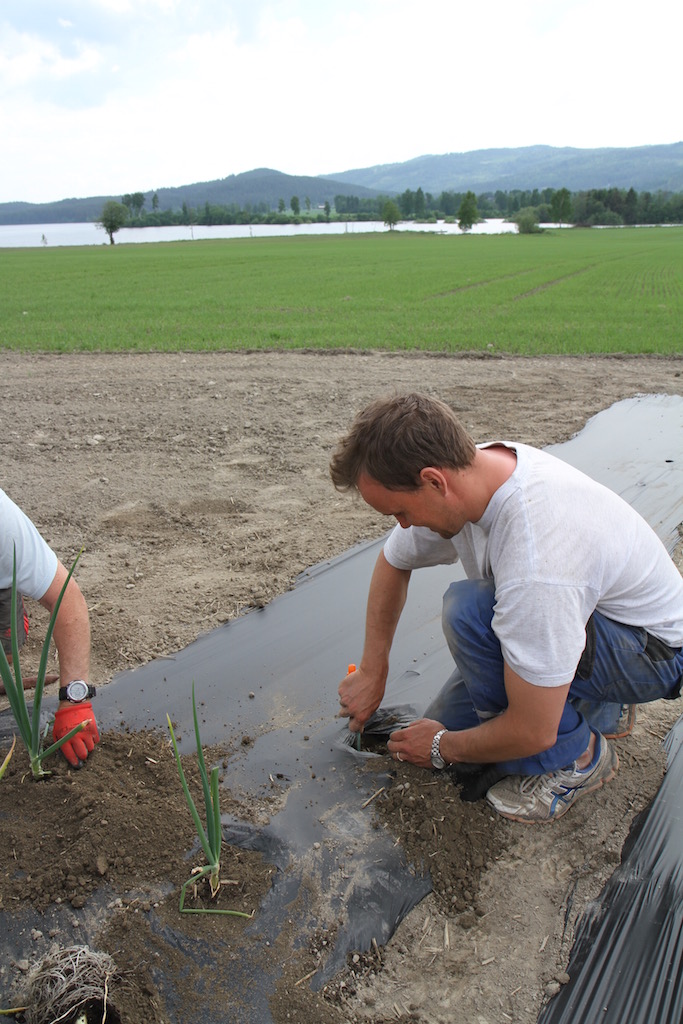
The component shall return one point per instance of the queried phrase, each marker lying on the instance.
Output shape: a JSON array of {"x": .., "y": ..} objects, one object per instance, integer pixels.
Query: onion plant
[
  {"x": 211, "y": 836},
  {"x": 28, "y": 720}
]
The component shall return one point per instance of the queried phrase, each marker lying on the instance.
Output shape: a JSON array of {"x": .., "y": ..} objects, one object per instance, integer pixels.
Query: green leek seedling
[
  {"x": 28, "y": 722},
  {"x": 211, "y": 837}
]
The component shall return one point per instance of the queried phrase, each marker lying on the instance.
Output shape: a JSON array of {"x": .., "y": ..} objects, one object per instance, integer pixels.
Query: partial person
[
  {"x": 571, "y": 611},
  {"x": 40, "y": 576}
]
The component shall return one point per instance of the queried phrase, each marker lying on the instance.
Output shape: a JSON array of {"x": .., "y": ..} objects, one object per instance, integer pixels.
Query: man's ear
[{"x": 432, "y": 477}]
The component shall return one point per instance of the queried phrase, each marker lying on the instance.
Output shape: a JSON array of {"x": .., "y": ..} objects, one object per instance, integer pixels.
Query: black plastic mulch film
[
  {"x": 627, "y": 961},
  {"x": 272, "y": 675}
]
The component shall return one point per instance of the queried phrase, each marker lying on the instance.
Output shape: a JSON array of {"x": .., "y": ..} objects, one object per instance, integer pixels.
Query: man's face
[{"x": 427, "y": 505}]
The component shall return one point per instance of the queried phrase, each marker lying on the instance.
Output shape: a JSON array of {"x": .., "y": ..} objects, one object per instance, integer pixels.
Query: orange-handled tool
[{"x": 352, "y": 668}]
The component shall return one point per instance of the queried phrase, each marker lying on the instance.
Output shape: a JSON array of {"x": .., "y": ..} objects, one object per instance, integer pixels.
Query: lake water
[{"x": 35, "y": 235}]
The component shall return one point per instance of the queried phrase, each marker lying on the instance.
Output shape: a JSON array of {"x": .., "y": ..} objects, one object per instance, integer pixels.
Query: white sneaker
[{"x": 547, "y": 797}]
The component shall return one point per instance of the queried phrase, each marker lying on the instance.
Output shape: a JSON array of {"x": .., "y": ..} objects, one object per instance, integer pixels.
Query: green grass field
[{"x": 569, "y": 291}]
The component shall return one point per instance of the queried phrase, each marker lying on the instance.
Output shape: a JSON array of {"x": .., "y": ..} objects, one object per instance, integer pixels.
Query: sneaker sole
[
  {"x": 588, "y": 789},
  {"x": 628, "y": 727}
]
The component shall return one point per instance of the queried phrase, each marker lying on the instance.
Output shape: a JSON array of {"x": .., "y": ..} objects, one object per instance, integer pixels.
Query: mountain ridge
[
  {"x": 644, "y": 168},
  {"x": 258, "y": 187},
  {"x": 652, "y": 168}
]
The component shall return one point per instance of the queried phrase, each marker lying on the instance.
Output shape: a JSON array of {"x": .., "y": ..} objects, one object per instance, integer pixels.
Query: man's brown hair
[{"x": 394, "y": 438}]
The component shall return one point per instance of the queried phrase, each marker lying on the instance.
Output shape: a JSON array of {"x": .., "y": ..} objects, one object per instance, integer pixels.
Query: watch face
[{"x": 77, "y": 691}]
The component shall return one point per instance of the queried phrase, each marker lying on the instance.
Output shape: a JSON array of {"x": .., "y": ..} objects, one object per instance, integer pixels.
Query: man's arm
[
  {"x": 527, "y": 726},
  {"x": 361, "y": 693},
  {"x": 72, "y": 637},
  {"x": 72, "y": 628}
]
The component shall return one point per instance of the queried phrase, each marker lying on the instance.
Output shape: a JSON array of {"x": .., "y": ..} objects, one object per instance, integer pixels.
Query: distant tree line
[
  {"x": 528, "y": 208},
  {"x": 600, "y": 206},
  {"x": 214, "y": 213}
]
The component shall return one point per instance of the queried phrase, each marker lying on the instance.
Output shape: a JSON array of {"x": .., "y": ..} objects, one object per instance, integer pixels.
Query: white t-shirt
[
  {"x": 558, "y": 546},
  {"x": 36, "y": 561}
]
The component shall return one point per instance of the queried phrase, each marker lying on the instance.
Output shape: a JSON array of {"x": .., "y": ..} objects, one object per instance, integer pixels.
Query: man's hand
[
  {"x": 79, "y": 746},
  {"x": 414, "y": 742},
  {"x": 360, "y": 694},
  {"x": 526, "y": 727}
]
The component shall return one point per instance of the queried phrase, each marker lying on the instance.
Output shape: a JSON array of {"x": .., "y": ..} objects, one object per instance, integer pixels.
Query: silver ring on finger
[{"x": 398, "y": 755}]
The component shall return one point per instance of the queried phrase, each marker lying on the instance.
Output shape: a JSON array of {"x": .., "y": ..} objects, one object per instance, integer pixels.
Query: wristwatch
[
  {"x": 76, "y": 691},
  {"x": 437, "y": 760}
]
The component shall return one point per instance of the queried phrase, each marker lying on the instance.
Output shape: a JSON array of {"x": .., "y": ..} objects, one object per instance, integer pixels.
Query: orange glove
[{"x": 79, "y": 746}]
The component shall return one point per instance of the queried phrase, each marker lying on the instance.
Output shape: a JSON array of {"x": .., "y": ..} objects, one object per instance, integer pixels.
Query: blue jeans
[{"x": 621, "y": 665}]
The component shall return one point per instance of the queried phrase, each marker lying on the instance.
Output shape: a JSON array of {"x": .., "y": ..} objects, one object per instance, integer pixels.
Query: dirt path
[{"x": 198, "y": 486}]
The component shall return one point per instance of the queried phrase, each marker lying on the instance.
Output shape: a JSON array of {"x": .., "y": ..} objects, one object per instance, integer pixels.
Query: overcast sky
[{"x": 102, "y": 97}]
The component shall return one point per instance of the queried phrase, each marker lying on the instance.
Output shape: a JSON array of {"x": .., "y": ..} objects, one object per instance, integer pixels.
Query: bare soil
[{"x": 198, "y": 487}]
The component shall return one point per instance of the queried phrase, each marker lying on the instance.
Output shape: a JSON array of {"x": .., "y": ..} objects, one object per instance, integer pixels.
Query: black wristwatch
[{"x": 76, "y": 691}]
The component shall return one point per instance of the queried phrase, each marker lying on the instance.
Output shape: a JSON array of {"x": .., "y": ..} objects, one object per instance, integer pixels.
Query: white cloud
[
  {"x": 27, "y": 60},
  {"x": 124, "y": 95},
  {"x": 137, "y": 6}
]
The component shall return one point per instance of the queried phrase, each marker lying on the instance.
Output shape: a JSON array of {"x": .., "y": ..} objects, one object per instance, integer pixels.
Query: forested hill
[
  {"x": 644, "y": 168},
  {"x": 260, "y": 189}
]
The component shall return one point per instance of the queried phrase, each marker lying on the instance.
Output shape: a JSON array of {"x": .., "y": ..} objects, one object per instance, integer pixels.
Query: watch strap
[{"x": 436, "y": 758}]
